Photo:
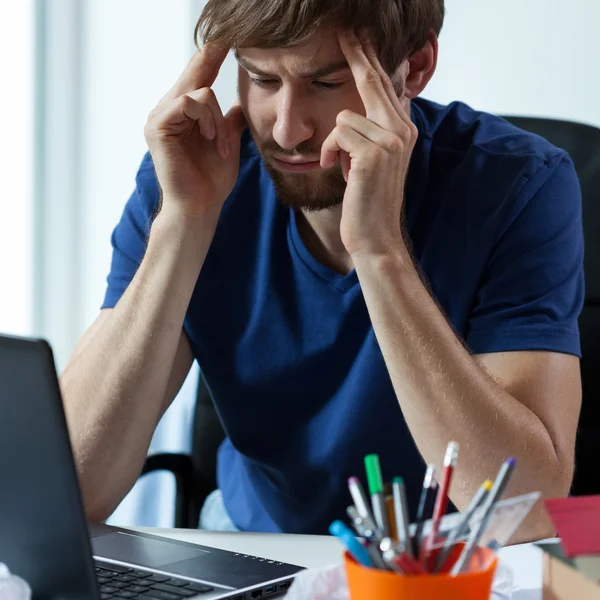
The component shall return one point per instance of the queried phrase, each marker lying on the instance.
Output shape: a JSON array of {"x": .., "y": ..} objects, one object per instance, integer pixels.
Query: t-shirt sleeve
[
  {"x": 130, "y": 236},
  {"x": 533, "y": 287}
]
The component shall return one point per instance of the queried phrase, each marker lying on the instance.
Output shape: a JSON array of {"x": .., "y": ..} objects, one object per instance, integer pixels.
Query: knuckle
[
  {"x": 394, "y": 144},
  {"x": 148, "y": 131},
  {"x": 371, "y": 76},
  {"x": 206, "y": 94},
  {"x": 344, "y": 116},
  {"x": 183, "y": 102},
  {"x": 354, "y": 41}
]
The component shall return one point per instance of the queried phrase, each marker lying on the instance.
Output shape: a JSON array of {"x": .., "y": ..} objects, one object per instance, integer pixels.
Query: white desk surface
[{"x": 320, "y": 550}]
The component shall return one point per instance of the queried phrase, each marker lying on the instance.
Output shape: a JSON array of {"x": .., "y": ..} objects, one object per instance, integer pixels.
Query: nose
[{"x": 294, "y": 123}]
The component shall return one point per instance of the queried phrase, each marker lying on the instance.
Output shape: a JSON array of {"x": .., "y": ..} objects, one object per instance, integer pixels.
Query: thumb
[{"x": 235, "y": 122}]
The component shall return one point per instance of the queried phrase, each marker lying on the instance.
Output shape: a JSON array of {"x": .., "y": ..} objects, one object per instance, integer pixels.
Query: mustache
[{"x": 303, "y": 149}]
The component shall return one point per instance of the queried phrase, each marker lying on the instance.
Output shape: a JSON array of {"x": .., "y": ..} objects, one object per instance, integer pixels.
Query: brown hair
[{"x": 399, "y": 28}]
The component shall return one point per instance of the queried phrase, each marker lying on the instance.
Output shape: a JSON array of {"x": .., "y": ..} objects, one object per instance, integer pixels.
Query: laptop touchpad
[{"x": 144, "y": 552}]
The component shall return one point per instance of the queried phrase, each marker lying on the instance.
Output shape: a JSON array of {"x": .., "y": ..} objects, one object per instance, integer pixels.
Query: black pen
[{"x": 429, "y": 485}]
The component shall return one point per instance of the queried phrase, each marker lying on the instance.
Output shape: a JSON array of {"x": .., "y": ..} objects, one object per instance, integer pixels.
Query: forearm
[
  {"x": 445, "y": 394},
  {"x": 114, "y": 389}
]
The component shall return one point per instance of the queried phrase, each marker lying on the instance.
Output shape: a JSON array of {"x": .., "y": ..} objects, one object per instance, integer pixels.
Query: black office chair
[
  {"x": 195, "y": 474},
  {"x": 582, "y": 142}
]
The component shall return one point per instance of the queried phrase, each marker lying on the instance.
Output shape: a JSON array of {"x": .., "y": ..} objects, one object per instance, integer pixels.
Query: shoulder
[
  {"x": 459, "y": 128},
  {"x": 497, "y": 158}
]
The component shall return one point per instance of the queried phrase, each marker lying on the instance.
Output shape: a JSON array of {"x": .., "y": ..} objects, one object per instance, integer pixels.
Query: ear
[{"x": 421, "y": 67}]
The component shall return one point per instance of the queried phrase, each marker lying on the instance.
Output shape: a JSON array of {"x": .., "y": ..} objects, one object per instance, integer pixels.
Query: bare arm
[
  {"x": 129, "y": 366},
  {"x": 522, "y": 404}
]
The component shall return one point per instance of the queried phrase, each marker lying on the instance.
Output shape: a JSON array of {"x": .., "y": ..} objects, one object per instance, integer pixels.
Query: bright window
[{"x": 16, "y": 165}]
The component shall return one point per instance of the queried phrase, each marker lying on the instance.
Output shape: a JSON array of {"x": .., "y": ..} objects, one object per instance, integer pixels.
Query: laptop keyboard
[{"x": 116, "y": 581}]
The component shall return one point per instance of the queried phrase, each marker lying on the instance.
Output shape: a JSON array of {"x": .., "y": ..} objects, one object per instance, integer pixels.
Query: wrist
[
  {"x": 173, "y": 216},
  {"x": 396, "y": 257},
  {"x": 174, "y": 229}
]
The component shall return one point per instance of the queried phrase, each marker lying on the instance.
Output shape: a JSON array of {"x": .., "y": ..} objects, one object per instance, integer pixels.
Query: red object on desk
[{"x": 577, "y": 521}]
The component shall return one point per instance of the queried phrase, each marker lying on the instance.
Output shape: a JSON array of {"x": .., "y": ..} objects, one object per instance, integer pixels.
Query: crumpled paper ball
[{"x": 13, "y": 587}]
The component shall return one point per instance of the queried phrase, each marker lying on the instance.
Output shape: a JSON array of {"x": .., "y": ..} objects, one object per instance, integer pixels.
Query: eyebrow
[{"x": 320, "y": 72}]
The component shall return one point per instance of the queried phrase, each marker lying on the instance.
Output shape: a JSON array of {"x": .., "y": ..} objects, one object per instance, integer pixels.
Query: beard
[{"x": 312, "y": 191}]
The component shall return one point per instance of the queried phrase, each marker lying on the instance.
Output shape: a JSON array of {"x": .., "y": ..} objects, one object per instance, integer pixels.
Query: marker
[
  {"x": 441, "y": 501},
  {"x": 375, "y": 481},
  {"x": 401, "y": 514},
  {"x": 429, "y": 484},
  {"x": 359, "y": 498},
  {"x": 354, "y": 547},
  {"x": 497, "y": 490},
  {"x": 462, "y": 525}
]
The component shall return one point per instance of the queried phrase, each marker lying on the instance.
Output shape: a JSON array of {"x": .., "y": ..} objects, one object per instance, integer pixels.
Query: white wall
[{"x": 529, "y": 57}]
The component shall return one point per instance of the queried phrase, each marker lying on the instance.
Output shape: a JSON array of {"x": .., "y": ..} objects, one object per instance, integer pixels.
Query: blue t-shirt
[{"x": 287, "y": 346}]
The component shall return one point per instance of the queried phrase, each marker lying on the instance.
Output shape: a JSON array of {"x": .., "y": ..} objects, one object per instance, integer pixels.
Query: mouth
[{"x": 296, "y": 165}]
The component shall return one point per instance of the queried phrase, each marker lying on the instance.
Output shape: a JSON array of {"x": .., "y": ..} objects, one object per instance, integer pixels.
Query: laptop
[{"x": 44, "y": 537}]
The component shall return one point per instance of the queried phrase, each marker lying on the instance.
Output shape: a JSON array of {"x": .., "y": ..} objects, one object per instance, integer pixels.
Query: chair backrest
[
  {"x": 207, "y": 436},
  {"x": 582, "y": 142}
]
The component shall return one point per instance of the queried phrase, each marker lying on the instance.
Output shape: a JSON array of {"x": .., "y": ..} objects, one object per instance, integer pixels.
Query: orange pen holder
[{"x": 475, "y": 583}]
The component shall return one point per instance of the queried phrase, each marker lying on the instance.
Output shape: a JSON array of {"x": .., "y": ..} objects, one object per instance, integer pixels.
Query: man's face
[{"x": 291, "y": 97}]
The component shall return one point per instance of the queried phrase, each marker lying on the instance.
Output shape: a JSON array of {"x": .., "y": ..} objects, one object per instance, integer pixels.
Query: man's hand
[
  {"x": 195, "y": 148},
  {"x": 374, "y": 152}
]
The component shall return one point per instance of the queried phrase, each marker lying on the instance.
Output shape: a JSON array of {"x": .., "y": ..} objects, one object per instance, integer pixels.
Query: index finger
[
  {"x": 201, "y": 70},
  {"x": 368, "y": 82}
]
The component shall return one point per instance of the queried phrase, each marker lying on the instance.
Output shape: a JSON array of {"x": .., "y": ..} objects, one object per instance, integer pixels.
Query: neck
[{"x": 320, "y": 232}]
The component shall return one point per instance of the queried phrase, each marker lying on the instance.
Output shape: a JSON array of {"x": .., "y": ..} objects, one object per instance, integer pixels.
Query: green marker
[{"x": 375, "y": 481}]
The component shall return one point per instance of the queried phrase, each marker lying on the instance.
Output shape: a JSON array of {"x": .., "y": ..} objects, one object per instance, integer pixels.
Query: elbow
[
  {"x": 560, "y": 477},
  {"x": 97, "y": 505},
  {"x": 95, "y": 509}
]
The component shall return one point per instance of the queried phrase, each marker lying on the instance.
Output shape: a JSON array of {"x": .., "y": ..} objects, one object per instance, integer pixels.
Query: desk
[{"x": 319, "y": 550}]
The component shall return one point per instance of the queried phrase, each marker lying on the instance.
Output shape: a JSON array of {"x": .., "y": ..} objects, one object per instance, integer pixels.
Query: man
[{"x": 354, "y": 268}]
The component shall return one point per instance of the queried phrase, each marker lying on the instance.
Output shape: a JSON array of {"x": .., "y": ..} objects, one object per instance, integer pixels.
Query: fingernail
[
  {"x": 227, "y": 147},
  {"x": 209, "y": 130}
]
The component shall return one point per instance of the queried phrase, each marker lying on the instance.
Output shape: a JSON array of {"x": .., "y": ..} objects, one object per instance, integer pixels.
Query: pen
[
  {"x": 397, "y": 559},
  {"x": 364, "y": 526},
  {"x": 359, "y": 498},
  {"x": 354, "y": 547},
  {"x": 497, "y": 490},
  {"x": 366, "y": 529},
  {"x": 390, "y": 556},
  {"x": 376, "y": 491},
  {"x": 401, "y": 514},
  {"x": 462, "y": 525},
  {"x": 428, "y": 487},
  {"x": 441, "y": 501}
]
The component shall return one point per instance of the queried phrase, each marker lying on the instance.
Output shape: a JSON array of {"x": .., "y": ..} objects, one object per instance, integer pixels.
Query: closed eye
[
  {"x": 330, "y": 85},
  {"x": 262, "y": 82}
]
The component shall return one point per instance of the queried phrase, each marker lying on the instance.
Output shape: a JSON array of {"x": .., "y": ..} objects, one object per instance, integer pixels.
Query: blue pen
[{"x": 354, "y": 547}]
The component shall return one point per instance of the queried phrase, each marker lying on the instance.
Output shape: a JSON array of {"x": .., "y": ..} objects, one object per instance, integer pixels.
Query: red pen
[{"x": 441, "y": 502}]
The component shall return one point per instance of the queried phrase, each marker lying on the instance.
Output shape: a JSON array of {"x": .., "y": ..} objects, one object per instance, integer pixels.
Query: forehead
[{"x": 321, "y": 49}]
